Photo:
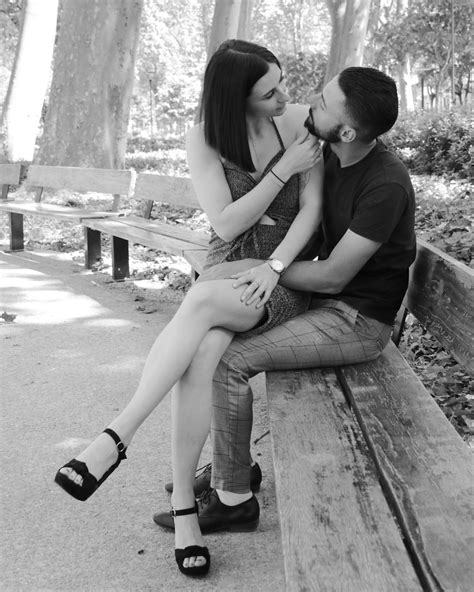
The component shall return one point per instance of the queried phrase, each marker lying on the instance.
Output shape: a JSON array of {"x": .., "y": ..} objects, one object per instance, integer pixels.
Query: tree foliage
[
  {"x": 174, "y": 40},
  {"x": 304, "y": 74},
  {"x": 422, "y": 29}
]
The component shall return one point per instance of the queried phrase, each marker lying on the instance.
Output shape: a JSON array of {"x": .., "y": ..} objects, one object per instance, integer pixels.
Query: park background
[{"x": 116, "y": 83}]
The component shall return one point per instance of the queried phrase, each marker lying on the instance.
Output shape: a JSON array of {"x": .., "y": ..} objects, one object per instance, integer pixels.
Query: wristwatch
[{"x": 276, "y": 265}]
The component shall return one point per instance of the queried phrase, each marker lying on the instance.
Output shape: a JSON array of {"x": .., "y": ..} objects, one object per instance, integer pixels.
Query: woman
[{"x": 245, "y": 169}]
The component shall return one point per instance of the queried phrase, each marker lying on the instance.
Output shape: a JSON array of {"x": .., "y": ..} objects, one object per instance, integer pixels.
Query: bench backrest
[
  {"x": 114, "y": 182},
  {"x": 441, "y": 296},
  {"x": 178, "y": 191},
  {"x": 9, "y": 175}
]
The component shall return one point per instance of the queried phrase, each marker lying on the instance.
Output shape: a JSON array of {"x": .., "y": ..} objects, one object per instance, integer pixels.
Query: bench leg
[
  {"x": 120, "y": 265},
  {"x": 93, "y": 247},
  {"x": 16, "y": 232}
]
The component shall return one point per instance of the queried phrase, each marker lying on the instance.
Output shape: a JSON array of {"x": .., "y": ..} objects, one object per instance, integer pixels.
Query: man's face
[{"x": 327, "y": 113}]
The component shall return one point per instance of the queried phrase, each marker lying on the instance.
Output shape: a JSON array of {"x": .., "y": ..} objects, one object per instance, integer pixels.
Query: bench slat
[
  {"x": 337, "y": 530},
  {"x": 80, "y": 179},
  {"x": 175, "y": 245},
  {"x": 46, "y": 209},
  {"x": 196, "y": 258},
  {"x": 10, "y": 174},
  {"x": 199, "y": 238},
  {"x": 172, "y": 190},
  {"x": 424, "y": 464},
  {"x": 441, "y": 297}
]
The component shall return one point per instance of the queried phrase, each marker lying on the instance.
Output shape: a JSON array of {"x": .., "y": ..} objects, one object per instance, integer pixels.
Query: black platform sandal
[
  {"x": 89, "y": 482},
  {"x": 191, "y": 550}
]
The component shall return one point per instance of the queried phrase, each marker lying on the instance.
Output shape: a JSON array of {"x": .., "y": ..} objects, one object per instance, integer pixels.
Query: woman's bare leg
[
  {"x": 191, "y": 417},
  {"x": 208, "y": 304}
]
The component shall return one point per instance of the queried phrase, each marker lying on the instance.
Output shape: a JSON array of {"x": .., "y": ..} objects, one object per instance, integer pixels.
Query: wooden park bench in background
[
  {"x": 375, "y": 488},
  {"x": 10, "y": 174},
  {"x": 39, "y": 178},
  {"x": 143, "y": 230}
]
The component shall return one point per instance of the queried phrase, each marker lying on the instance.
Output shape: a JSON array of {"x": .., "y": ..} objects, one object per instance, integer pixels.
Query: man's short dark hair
[{"x": 371, "y": 100}]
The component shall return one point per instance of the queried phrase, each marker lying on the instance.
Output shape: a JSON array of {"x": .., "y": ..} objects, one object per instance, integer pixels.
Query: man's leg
[{"x": 330, "y": 334}]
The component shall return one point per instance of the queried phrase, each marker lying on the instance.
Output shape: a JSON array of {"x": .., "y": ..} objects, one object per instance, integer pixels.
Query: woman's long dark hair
[{"x": 230, "y": 75}]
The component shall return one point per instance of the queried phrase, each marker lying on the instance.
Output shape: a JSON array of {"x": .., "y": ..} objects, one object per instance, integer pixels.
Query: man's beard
[{"x": 331, "y": 135}]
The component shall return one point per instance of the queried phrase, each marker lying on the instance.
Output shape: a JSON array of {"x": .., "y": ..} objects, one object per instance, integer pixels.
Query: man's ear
[{"x": 347, "y": 134}]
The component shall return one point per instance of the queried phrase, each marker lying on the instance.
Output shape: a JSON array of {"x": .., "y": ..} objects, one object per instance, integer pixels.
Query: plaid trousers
[{"x": 330, "y": 333}]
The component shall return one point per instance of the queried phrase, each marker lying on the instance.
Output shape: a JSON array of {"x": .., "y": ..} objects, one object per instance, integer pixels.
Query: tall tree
[
  {"x": 29, "y": 78},
  {"x": 87, "y": 116},
  {"x": 245, "y": 20},
  {"x": 349, "y": 20},
  {"x": 225, "y": 23}
]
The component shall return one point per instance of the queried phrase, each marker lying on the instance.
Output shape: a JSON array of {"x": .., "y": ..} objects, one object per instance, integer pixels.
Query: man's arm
[{"x": 331, "y": 275}]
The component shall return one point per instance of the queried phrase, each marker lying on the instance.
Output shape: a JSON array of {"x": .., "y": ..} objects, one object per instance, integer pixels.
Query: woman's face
[{"x": 268, "y": 97}]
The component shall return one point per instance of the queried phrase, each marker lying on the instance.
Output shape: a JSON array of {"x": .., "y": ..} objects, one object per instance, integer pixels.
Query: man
[{"x": 358, "y": 282}]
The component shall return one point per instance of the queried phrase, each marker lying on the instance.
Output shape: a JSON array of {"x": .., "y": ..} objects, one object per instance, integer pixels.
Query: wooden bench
[
  {"x": 142, "y": 229},
  {"x": 104, "y": 181},
  {"x": 374, "y": 485}
]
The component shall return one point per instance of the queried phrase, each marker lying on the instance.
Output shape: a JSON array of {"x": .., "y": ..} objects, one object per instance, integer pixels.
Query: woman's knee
[
  {"x": 200, "y": 297},
  {"x": 215, "y": 295},
  {"x": 221, "y": 304}
]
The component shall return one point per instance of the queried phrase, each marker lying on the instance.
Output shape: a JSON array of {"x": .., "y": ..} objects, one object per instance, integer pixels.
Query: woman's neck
[{"x": 256, "y": 126}]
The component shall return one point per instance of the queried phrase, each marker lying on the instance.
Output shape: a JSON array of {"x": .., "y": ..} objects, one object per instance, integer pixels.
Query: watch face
[{"x": 277, "y": 265}]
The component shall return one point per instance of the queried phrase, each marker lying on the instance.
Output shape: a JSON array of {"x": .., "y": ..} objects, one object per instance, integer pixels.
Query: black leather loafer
[
  {"x": 202, "y": 482},
  {"x": 215, "y": 516}
]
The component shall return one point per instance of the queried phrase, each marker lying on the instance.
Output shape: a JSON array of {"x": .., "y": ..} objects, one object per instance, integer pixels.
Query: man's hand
[{"x": 260, "y": 281}]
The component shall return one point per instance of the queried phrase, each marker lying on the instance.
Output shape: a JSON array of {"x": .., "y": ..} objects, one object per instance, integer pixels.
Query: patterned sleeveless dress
[{"x": 260, "y": 240}]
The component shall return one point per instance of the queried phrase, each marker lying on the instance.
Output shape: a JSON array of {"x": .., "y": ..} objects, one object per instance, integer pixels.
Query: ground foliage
[{"x": 444, "y": 218}]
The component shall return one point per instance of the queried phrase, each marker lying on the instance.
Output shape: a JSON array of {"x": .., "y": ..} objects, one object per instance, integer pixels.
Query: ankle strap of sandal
[
  {"x": 184, "y": 512},
  {"x": 121, "y": 448}
]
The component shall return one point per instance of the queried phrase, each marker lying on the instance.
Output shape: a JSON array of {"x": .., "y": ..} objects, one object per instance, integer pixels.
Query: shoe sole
[
  {"x": 197, "y": 493},
  {"x": 238, "y": 527}
]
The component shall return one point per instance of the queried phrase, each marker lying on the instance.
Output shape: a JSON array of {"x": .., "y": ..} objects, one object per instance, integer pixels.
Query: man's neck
[{"x": 351, "y": 153}]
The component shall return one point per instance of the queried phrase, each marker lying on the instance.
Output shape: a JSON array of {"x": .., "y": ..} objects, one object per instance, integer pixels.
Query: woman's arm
[
  {"x": 308, "y": 218},
  {"x": 262, "y": 279},
  {"x": 228, "y": 218}
]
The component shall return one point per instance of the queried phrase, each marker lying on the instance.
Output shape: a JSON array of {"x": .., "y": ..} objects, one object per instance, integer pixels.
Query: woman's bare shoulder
[
  {"x": 200, "y": 154},
  {"x": 195, "y": 134}
]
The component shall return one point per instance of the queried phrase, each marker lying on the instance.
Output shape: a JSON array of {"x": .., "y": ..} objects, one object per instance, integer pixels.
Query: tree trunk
[
  {"x": 29, "y": 78},
  {"x": 349, "y": 20},
  {"x": 245, "y": 20},
  {"x": 225, "y": 23},
  {"x": 88, "y": 111},
  {"x": 404, "y": 85}
]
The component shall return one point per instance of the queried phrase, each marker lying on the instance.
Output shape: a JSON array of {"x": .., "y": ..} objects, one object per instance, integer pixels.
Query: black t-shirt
[{"x": 374, "y": 198}]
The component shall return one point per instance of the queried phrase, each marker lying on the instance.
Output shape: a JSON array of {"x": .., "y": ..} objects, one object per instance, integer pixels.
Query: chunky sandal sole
[{"x": 89, "y": 482}]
